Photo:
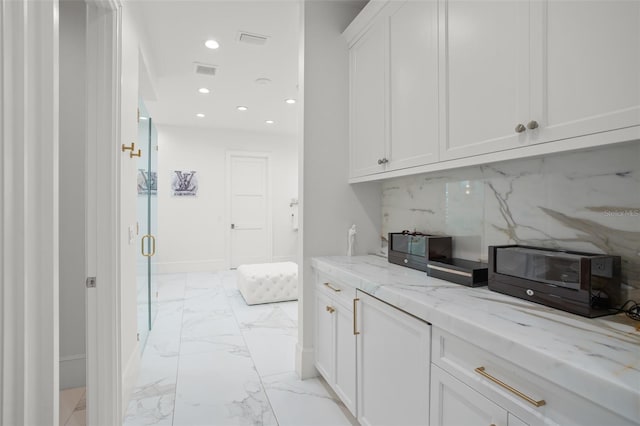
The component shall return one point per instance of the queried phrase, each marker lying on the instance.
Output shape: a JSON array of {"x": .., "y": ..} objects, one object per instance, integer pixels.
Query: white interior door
[{"x": 249, "y": 212}]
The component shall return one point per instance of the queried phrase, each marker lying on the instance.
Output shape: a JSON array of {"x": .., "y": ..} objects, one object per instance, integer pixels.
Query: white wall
[
  {"x": 72, "y": 194},
  {"x": 128, "y": 206},
  {"x": 330, "y": 205},
  {"x": 192, "y": 231}
]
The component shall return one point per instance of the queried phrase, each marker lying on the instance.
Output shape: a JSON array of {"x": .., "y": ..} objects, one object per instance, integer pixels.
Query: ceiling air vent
[
  {"x": 244, "y": 37},
  {"x": 205, "y": 69}
]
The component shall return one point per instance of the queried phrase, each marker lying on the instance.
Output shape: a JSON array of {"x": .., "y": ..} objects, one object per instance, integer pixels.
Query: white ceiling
[{"x": 172, "y": 37}]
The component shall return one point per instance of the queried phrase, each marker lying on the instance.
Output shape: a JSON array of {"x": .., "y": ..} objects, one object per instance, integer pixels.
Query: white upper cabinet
[
  {"x": 394, "y": 90},
  {"x": 587, "y": 67},
  {"x": 484, "y": 64},
  {"x": 368, "y": 100},
  {"x": 439, "y": 84},
  {"x": 413, "y": 53}
]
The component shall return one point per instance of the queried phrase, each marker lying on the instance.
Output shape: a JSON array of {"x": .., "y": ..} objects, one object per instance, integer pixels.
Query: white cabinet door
[
  {"x": 588, "y": 71},
  {"x": 368, "y": 100},
  {"x": 345, "y": 356},
  {"x": 324, "y": 347},
  {"x": 485, "y": 70},
  {"x": 393, "y": 352},
  {"x": 413, "y": 53},
  {"x": 455, "y": 404}
]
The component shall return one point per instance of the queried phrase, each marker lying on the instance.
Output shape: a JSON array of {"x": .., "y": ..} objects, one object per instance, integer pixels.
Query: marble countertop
[{"x": 598, "y": 359}]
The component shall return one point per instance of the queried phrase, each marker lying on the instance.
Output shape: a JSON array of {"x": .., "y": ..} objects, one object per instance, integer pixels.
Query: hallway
[{"x": 213, "y": 360}]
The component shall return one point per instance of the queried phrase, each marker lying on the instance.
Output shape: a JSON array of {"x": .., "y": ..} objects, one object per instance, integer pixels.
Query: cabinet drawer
[
  {"x": 341, "y": 292},
  {"x": 510, "y": 385}
]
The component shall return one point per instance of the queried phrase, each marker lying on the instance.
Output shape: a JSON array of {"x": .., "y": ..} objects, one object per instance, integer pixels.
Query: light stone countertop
[{"x": 598, "y": 359}]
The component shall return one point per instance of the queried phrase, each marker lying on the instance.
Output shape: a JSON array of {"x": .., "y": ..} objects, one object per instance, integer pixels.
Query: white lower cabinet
[
  {"x": 335, "y": 348},
  {"x": 455, "y": 404},
  {"x": 345, "y": 353},
  {"x": 393, "y": 353}
]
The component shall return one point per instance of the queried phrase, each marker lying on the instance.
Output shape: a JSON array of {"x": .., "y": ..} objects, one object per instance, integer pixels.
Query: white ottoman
[{"x": 268, "y": 282}]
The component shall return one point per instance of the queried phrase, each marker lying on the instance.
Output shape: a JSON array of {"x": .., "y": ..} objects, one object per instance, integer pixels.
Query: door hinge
[
  {"x": 138, "y": 337},
  {"x": 91, "y": 282}
]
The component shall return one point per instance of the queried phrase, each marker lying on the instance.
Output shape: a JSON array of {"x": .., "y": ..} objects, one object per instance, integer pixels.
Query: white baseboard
[
  {"x": 130, "y": 376},
  {"x": 73, "y": 371},
  {"x": 305, "y": 360},
  {"x": 291, "y": 258},
  {"x": 210, "y": 265}
]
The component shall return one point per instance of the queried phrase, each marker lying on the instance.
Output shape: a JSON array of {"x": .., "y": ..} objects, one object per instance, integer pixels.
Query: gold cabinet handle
[
  {"x": 137, "y": 154},
  {"x": 332, "y": 287},
  {"x": 355, "y": 328},
  {"x": 331, "y": 309},
  {"x": 483, "y": 373},
  {"x": 153, "y": 245}
]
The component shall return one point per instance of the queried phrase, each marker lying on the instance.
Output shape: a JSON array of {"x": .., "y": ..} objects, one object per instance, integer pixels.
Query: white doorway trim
[
  {"x": 104, "y": 363},
  {"x": 29, "y": 103},
  {"x": 227, "y": 224}
]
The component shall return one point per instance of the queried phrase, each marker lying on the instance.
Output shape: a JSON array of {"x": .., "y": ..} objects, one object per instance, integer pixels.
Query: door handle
[
  {"x": 153, "y": 245},
  {"x": 233, "y": 226}
]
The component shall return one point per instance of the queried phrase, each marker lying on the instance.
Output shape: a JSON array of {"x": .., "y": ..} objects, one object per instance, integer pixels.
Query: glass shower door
[{"x": 147, "y": 224}]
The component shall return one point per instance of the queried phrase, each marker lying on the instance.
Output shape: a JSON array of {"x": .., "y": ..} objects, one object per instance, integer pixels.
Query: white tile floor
[
  {"x": 213, "y": 360},
  {"x": 73, "y": 407}
]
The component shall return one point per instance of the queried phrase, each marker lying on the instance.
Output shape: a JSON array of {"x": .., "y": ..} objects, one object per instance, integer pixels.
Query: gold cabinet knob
[
  {"x": 331, "y": 309},
  {"x": 533, "y": 124},
  {"x": 520, "y": 128}
]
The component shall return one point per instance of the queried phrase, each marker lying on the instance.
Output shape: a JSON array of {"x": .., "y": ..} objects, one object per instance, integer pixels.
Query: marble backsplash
[{"x": 586, "y": 201}]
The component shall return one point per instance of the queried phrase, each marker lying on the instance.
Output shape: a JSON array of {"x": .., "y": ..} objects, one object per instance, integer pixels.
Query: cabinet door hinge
[{"x": 91, "y": 282}]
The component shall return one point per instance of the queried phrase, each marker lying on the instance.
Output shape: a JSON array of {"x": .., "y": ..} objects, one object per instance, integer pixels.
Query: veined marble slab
[
  {"x": 598, "y": 359},
  {"x": 584, "y": 201}
]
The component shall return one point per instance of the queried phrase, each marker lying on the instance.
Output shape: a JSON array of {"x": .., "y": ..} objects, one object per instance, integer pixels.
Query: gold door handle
[
  {"x": 337, "y": 290},
  {"x": 482, "y": 372},
  {"x": 331, "y": 309},
  {"x": 153, "y": 245},
  {"x": 355, "y": 328}
]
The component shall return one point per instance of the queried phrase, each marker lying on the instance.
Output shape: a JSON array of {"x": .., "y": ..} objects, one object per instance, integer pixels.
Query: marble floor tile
[
  {"x": 215, "y": 322},
  {"x": 211, "y": 359},
  {"x": 155, "y": 409},
  {"x": 305, "y": 402},
  {"x": 220, "y": 388},
  {"x": 69, "y": 399},
  {"x": 291, "y": 309},
  {"x": 78, "y": 418},
  {"x": 272, "y": 353},
  {"x": 232, "y": 343},
  {"x": 153, "y": 398}
]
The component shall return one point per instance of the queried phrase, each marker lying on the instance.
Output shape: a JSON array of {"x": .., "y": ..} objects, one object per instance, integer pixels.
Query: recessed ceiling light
[
  {"x": 212, "y": 44},
  {"x": 143, "y": 118},
  {"x": 200, "y": 115},
  {"x": 241, "y": 108},
  {"x": 269, "y": 121},
  {"x": 290, "y": 101},
  {"x": 203, "y": 90},
  {"x": 263, "y": 81}
]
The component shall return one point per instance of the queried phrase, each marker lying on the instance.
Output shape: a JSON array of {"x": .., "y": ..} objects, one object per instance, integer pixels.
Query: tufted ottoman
[{"x": 268, "y": 282}]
